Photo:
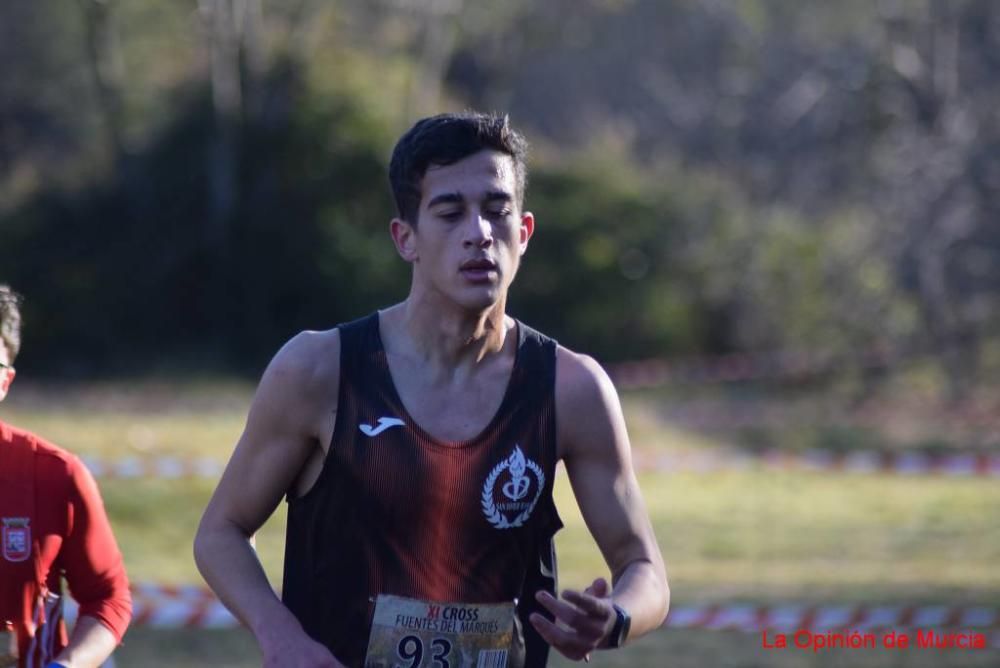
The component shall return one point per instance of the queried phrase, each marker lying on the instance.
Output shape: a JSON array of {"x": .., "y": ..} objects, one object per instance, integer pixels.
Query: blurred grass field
[{"x": 742, "y": 536}]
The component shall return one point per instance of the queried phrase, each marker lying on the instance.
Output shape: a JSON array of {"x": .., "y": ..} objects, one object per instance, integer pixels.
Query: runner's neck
[{"x": 444, "y": 340}]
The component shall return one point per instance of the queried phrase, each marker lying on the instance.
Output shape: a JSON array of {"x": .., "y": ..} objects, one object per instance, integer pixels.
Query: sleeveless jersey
[{"x": 395, "y": 511}]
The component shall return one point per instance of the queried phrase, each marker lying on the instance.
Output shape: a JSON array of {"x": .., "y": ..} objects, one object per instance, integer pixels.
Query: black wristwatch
[{"x": 619, "y": 632}]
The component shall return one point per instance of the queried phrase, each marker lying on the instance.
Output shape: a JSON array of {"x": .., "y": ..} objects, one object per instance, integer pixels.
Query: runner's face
[{"x": 471, "y": 233}]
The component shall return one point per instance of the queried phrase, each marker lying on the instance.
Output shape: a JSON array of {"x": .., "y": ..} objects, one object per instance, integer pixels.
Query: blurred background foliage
[{"x": 184, "y": 185}]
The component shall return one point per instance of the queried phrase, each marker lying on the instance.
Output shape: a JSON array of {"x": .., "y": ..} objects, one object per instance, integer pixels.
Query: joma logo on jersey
[
  {"x": 16, "y": 538},
  {"x": 383, "y": 424},
  {"x": 511, "y": 491}
]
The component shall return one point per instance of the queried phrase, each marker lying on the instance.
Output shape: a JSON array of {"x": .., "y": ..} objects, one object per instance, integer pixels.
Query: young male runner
[
  {"x": 52, "y": 524},
  {"x": 417, "y": 448}
]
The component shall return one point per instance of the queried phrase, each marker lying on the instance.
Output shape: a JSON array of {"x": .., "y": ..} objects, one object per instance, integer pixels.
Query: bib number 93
[{"x": 411, "y": 648}]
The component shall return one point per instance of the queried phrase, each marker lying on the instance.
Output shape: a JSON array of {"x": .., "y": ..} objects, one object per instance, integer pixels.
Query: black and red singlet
[{"x": 396, "y": 511}]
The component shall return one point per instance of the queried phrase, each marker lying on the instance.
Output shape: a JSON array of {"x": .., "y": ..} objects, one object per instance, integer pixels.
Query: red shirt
[{"x": 54, "y": 525}]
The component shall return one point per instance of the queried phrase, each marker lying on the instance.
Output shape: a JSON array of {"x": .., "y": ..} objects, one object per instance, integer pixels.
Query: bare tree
[{"x": 107, "y": 69}]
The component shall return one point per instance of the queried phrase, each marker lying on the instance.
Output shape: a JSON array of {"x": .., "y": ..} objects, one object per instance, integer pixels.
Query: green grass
[
  {"x": 729, "y": 536},
  {"x": 753, "y": 536},
  {"x": 199, "y": 418}
]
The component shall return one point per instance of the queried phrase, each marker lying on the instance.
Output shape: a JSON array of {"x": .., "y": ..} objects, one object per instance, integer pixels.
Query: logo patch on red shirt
[{"x": 16, "y": 538}]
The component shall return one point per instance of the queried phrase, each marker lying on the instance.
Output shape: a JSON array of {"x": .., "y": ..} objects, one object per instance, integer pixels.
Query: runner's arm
[
  {"x": 95, "y": 573},
  {"x": 595, "y": 447},
  {"x": 90, "y": 644},
  {"x": 281, "y": 434}
]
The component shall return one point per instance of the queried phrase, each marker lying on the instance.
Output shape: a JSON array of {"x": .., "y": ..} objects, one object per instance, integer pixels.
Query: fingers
[
  {"x": 564, "y": 611},
  {"x": 588, "y": 603},
  {"x": 566, "y": 641},
  {"x": 599, "y": 588},
  {"x": 581, "y": 621},
  {"x": 577, "y": 609}
]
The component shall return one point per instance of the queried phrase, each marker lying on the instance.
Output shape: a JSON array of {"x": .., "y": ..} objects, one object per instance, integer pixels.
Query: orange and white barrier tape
[
  {"x": 196, "y": 607},
  {"x": 153, "y": 467},
  {"x": 189, "y": 606},
  {"x": 751, "y": 619},
  {"x": 971, "y": 416},
  {"x": 709, "y": 461},
  {"x": 741, "y": 367},
  {"x": 821, "y": 461},
  {"x": 812, "y": 625},
  {"x": 173, "y": 607}
]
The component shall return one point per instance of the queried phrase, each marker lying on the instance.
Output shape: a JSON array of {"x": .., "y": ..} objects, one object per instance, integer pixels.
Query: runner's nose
[{"x": 479, "y": 232}]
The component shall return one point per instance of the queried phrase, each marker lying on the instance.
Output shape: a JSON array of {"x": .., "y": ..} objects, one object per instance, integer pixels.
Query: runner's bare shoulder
[
  {"x": 304, "y": 375},
  {"x": 586, "y": 403},
  {"x": 581, "y": 383}
]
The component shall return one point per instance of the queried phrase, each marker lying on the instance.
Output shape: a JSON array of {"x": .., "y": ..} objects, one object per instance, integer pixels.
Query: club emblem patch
[
  {"x": 511, "y": 491},
  {"x": 16, "y": 538}
]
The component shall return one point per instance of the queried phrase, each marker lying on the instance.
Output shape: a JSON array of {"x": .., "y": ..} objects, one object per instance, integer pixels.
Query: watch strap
[{"x": 619, "y": 632}]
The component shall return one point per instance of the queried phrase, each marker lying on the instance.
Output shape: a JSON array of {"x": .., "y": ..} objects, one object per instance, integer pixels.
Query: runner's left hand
[{"x": 583, "y": 620}]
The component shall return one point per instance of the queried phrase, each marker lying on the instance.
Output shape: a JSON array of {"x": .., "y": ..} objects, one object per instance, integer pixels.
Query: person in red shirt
[{"x": 52, "y": 525}]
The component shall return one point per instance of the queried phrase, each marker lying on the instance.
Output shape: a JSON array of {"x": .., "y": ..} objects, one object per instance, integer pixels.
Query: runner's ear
[
  {"x": 527, "y": 229},
  {"x": 404, "y": 236}
]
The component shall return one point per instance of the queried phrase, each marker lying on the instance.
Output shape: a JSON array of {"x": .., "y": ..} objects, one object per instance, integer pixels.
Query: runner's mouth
[
  {"x": 479, "y": 265},
  {"x": 479, "y": 271}
]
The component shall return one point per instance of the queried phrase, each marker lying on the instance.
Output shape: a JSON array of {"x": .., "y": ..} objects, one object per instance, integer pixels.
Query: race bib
[{"x": 409, "y": 633}]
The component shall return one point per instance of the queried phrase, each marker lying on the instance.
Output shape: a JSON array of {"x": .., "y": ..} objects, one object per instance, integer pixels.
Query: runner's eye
[{"x": 451, "y": 215}]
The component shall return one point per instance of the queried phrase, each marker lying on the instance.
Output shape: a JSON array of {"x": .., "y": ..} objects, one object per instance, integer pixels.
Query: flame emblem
[
  {"x": 525, "y": 475},
  {"x": 519, "y": 483}
]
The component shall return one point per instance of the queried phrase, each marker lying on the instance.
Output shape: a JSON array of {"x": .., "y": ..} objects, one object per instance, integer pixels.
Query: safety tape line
[
  {"x": 821, "y": 461},
  {"x": 975, "y": 423},
  {"x": 819, "y": 619},
  {"x": 739, "y": 367},
  {"x": 751, "y": 618},
  {"x": 153, "y": 467},
  {"x": 196, "y": 607}
]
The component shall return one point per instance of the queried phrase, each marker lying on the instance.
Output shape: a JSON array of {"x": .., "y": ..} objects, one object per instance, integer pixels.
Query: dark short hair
[
  {"x": 445, "y": 139},
  {"x": 10, "y": 320}
]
